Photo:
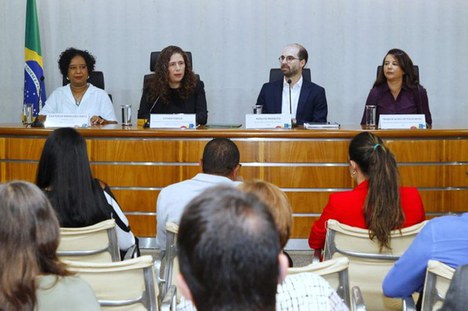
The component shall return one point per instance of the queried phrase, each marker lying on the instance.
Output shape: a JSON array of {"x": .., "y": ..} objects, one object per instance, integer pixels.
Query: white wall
[{"x": 235, "y": 43}]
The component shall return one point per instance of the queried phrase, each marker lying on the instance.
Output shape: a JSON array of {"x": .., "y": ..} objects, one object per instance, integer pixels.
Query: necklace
[{"x": 78, "y": 93}]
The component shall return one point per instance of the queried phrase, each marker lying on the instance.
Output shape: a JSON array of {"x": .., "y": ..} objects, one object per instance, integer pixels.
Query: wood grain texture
[{"x": 308, "y": 165}]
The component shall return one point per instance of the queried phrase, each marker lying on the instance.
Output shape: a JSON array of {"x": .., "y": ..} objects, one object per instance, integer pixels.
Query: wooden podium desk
[{"x": 307, "y": 164}]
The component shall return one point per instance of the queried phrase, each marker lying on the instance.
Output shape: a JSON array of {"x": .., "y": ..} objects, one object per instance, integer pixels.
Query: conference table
[{"x": 307, "y": 164}]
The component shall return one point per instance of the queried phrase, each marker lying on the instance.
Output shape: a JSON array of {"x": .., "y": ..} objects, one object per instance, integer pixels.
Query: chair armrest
[
  {"x": 317, "y": 255},
  {"x": 169, "y": 301},
  {"x": 408, "y": 304},
  {"x": 357, "y": 301}
]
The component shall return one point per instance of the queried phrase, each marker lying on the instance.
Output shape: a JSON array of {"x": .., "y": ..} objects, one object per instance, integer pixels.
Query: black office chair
[
  {"x": 154, "y": 57},
  {"x": 96, "y": 78},
  {"x": 415, "y": 68},
  {"x": 276, "y": 74}
]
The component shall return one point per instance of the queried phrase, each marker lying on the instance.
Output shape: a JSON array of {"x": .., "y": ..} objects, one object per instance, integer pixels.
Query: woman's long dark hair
[
  {"x": 410, "y": 78},
  {"x": 382, "y": 208},
  {"x": 29, "y": 236},
  {"x": 158, "y": 85},
  {"x": 65, "y": 174}
]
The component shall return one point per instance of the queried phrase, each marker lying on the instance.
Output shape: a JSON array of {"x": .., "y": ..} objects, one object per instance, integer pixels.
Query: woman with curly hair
[
  {"x": 31, "y": 275},
  {"x": 79, "y": 96},
  {"x": 174, "y": 88}
]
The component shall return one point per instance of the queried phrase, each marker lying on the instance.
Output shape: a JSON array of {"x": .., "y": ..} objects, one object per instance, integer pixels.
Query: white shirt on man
[
  {"x": 295, "y": 93},
  {"x": 173, "y": 199}
]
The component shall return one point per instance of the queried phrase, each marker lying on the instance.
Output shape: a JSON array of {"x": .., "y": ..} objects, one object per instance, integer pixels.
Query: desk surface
[{"x": 114, "y": 130}]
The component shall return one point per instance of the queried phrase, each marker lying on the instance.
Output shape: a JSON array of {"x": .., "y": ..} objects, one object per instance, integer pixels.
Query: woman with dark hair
[
  {"x": 79, "y": 96},
  {"x": 31, "y": 275},
  {"x": 378, "y": 203},
  {"x": 174, "y": 88},
  {"x": 79, "y": 200},
  {"x": 397, "y": 90}
]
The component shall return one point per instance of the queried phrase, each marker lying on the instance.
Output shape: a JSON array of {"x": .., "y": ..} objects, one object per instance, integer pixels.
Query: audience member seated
[
  {"x": 293, "y": 95},
  {"x": 31, "y": 275},
  {"x": 79, "y": 200},
  {"x": 219, "y": 165},
  {"x": 378, "y": 203},
  {"x": 174, "y": 88},
  {"x": 397, "y": 90},
  {"x": 304, "y": 291},
  {"x": 444, "y": 239},
  {"x": 79, "y": 96}
]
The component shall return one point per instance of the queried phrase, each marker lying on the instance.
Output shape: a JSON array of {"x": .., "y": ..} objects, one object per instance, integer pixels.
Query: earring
[
  {"x": 68, "y": 78},
  {"x": 353, "y": 172}
]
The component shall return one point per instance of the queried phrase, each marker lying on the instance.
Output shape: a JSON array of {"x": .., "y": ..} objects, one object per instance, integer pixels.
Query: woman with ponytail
[{"x": 378, "y": 203}]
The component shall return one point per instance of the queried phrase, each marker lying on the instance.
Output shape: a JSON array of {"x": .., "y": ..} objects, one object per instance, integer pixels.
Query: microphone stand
[
  {"x": 293, "y": 119},
  {"x": 147, "y": 123}
]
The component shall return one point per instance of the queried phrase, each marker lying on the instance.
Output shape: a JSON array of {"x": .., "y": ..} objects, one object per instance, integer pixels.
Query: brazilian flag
[{"x": 34, "y": 91}]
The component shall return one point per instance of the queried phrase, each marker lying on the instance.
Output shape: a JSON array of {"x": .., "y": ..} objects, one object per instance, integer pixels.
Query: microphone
[
  {"x": 290, "y": 105},
  {"x": 39, "y": 100},
  {"x": 154, "y": 104},
  {"x": 147, "y": 123}
]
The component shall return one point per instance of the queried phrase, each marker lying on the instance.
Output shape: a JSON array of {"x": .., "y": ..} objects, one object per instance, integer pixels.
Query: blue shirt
[{"x": 444, "y": 239}]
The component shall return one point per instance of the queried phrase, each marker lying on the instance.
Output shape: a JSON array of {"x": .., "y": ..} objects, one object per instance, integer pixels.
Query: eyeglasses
[{"x": 287, "y": 58}]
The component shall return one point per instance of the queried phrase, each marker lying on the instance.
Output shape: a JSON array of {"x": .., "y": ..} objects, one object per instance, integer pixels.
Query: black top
[{"x": 196, "y": 103}]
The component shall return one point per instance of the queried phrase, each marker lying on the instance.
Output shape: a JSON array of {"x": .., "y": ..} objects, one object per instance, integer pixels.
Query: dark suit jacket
[{"x": 312, "y": 105}]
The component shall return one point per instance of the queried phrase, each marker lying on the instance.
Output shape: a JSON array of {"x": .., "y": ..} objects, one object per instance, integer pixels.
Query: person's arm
[
  {"x": 320, "y": 107},
  {"x": 107, "y": 114},
  {"x": 261, "y": 99},
  {"x": 425, "y": 106},
  {"x": 318, "y": 231},
  {"x": 124, "y": 234},
  {"x": 408, "y": 273},
  {"x": 161, "y": 221},
  {"x": 200, "y": 105},
  {"x": 144, "y": 110}
]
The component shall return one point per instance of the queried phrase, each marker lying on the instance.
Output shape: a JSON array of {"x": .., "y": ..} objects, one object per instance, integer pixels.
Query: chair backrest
[
  {"x": 276, "y": 74},
  {"x": 415, "y": 68},
  {"x": 96, "y": 78},
  {"x": 335, "y": 271},
  {"x": 96, "y": 243},
  {"x": 124, "y": 285},
  {"x": 170, "y": 265},
  {"x": 436, "y": 284},
  {"x": 368, "y": 266}
]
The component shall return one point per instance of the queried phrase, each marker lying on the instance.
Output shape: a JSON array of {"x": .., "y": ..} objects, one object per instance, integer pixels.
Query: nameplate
[
  {"x": 402, "y": 121},
  {"x": 66, "y": 120},
  {"x": 267, "y": 121},
  {"x": 179, "y": 121}
]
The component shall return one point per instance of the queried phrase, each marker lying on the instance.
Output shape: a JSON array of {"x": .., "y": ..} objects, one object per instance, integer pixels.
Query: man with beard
[{"x": 304, "y": 100}]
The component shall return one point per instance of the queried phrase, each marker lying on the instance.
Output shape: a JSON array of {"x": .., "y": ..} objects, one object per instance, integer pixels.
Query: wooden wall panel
[
  {"x": 308, "y": 165},
  {"x": 309, "y": 176},
  {"x": 332, "y": 151},
  {"x": 410, "y": 150},
  {"x": 457, "y": 176},
  {"x": 135, "y": 150},
  {"x": 24, "y": 148},
  {"x": 422, "y": 176},
  {"x": 142, "y": 225},
  {"x": 137, "y": 200},
  {"x": 457, "y": 150}
]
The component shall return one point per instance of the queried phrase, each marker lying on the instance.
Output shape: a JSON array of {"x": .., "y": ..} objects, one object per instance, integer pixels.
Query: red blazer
[{"x": 346, "y": 207}]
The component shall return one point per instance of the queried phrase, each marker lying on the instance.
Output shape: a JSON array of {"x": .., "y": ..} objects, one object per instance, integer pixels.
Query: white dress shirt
[{"x": 295, "y": 93}]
